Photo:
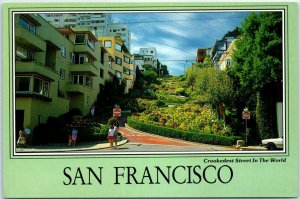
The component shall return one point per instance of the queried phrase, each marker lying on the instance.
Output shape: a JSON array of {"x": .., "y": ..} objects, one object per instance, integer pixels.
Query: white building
[
  {"x": 149, "y": 53},
  {"x": 60, "y": 20},
  {"x": 139, "y": 62},
  {"x": 99, "y": 23},
  {"x": 121, "y": 30}
]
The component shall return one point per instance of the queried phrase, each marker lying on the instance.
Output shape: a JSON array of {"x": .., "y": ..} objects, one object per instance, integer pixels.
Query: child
[
  {"x": 22, "y": 139},
  {"x": 74, "y": 136},
  {"x": 70, "y": 137}
]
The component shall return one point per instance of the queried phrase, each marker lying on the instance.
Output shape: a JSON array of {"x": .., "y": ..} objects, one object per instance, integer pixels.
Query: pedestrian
[
  {"x": 28, "y": 135},
  {"x": 70, "y": 136},
  {"x": 74, "y": 136},
  {"x": 116, "y": 131},
  {"x": 22, "y": 138},
  {"x": 110, "y": 136}
]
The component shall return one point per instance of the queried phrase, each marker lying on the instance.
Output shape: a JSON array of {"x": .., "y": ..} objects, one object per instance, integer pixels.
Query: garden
[
  {"x": 173, "y": 112},
  {"x": 58, "y": 129}
]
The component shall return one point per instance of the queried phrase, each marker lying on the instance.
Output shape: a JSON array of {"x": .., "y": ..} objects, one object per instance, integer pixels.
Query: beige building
[
  {"x": 119, "y": 59},
  {"x": 226, "y": 58}
]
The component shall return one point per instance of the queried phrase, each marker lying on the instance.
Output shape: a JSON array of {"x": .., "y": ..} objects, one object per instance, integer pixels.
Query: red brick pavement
[{"x": 136, "y": 137}]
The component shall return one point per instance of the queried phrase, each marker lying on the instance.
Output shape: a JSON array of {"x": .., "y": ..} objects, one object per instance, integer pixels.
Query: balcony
[
  {"x": 76, "y": 88},
  {"x": 29, "y": 40},
  {"x": 84, "y": 48},
  {"x": 37, "y": 68},
  {"x": 85, "y": 68},
  {"x": 33, "y": 95}
]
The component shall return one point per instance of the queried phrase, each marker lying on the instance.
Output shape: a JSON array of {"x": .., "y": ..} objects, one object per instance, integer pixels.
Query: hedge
[{"x": 184, "y": 135}]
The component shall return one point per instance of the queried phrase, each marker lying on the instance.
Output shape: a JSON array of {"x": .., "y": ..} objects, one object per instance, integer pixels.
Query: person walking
[
  {"x": 110, "y": 135},
  {"x": 116, "y": 131},
  {"x": 74, "y": 135},
  {"x": 22, "y": 138}
]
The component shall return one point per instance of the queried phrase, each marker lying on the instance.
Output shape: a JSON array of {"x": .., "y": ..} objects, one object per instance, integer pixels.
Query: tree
[
  {"x": 139, "y": 79},
  {"x": 150, "y": 76},
  {"x": 164, "y": 70},
  {"x": 211, "y": 86},
  {"x": 111, "y": 94},
  {"x": 257, "y": 67}
]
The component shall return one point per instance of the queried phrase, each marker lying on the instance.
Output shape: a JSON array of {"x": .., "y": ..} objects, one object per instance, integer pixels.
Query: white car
[{"x": 273, "y": 143}]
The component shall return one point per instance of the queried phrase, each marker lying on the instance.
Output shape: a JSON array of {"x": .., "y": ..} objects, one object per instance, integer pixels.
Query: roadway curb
[{"x": 76, "y": 148}]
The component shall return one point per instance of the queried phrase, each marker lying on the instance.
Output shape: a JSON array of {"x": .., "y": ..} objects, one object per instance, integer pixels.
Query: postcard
[{"x": 160, "y": 100}]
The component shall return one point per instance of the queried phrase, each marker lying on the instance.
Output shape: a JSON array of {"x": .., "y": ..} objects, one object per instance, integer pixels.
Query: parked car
[{"x": 273, "y": 143}]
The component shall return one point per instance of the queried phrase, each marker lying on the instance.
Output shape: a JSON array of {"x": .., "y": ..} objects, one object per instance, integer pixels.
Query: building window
[
  {"x": 27, "y": 25},
  {"x": 39, "y": 119},
  {"x": 123, "y": 29},
  {"x": 91, "y": 43},
  {"x": 102, "y": 57},
  {"x": 119, "y": 61},
  {"x": 78, "y": 79},
  {"x": 89, "y": 82},
  {"x": 63, "y": 51},
  {"x": 107, "y": 44},
  {"x": 80, "y": 39},
  {"x": 79, "y": 58},
  {"x": 23, "y": 84},
  {"x": 89, "y": 60},
  {"x": 118, "y": 47},
  {"x": 228, "y": 62},
  {"x": 72, "y": 58},
  {"x": 110, "y": 61},
  {"x": 23, "y": 54},
  {"x": 41, "y": 87},
  {"x": 62, "y": 73},
  {"x": 126, "y": 71},
  {"x": 118, "y": 74},
  {"x": 101, "y": 73},
  {"x": 127, "y": 59}
]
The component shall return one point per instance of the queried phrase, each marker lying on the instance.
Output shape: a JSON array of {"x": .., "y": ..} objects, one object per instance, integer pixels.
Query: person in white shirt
[
  {"x": 116, "y": 130},
  {"x": 110, "y": 135}
]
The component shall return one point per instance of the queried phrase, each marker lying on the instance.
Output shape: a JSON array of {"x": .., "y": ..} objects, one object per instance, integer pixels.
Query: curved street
[{"x": 144, "y": 142}]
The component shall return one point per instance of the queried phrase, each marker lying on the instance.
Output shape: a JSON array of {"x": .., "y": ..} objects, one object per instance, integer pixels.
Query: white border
[{"x": 234, "y": 152}]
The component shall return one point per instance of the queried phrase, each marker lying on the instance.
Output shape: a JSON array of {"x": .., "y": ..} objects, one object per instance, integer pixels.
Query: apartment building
[
  {"x": 121, "y": 30},
  {"x": 55, "y": 70},
  {"x": 202, "y": 53},
  {"x": 225, "y": 60},
  {"x": 101, "y": 24},
  {"x": 221, "y": 46},
  {"x": 138, "y": 61},
  {"x": 119, "y": 58},
  {"x": 150, "y": 56},
  {"x": 94, "y": 21},
  {"x": 60, "y": 20},
  {"x": 85, "y": 68}
]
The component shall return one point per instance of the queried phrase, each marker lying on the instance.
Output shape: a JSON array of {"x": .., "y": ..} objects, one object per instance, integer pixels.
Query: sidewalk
[{"x": 88, "y": 146}]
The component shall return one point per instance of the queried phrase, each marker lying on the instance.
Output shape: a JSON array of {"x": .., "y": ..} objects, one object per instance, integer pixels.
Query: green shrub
[{"x": 185, "y": 135}]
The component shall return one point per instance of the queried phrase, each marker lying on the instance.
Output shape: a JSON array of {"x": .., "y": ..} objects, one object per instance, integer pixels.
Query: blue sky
[{"x": 177, "y": 36}]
